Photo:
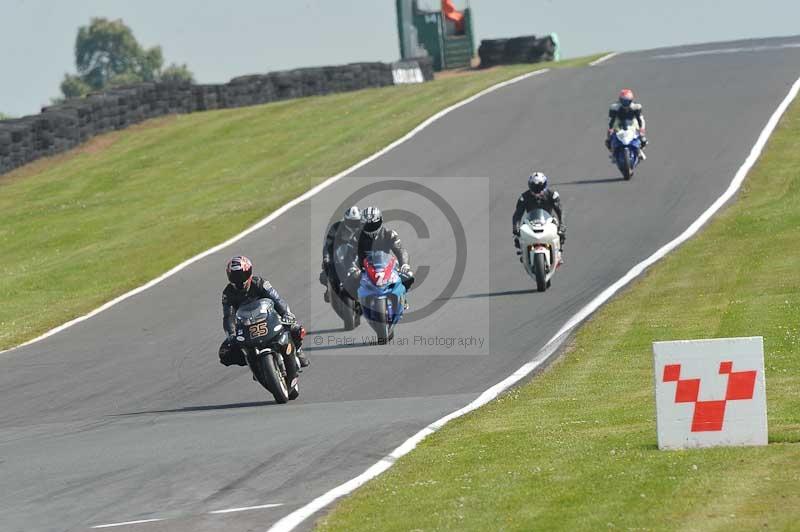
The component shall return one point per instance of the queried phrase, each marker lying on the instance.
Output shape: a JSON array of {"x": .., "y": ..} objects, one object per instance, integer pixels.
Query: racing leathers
[
  {"x": 386, "y": 240},
  {"x": 232, "y": 299},
  {"x": 548, "y": 200},
  {"x": 618, "y": 114},
  {"x": 339, "y": 233}
]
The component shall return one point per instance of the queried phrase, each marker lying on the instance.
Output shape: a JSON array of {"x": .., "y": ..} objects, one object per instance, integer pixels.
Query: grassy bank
[
  {"x": 575, "y": 449},
  {"x": 81, "y": 228}
]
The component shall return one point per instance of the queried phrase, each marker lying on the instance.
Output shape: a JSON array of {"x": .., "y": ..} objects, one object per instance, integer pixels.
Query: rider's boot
[
  {"x": 301, "y": 356},
  {"x": 327, "y": 295},
  {"x": 642, "y": 156}
]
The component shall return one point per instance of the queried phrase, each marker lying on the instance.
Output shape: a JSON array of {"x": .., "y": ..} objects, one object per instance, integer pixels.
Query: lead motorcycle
[
  {"x": 344, "y": 298},
  {"x": 382, "y": 293},
  {"x": 625, "y": 145},
  {"x": 541, "y": 246},
  {"x": 266, "y": 342}
]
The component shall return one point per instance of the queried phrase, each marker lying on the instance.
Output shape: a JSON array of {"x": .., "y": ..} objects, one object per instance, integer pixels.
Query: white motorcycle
[{"x": 541, "y": 246}]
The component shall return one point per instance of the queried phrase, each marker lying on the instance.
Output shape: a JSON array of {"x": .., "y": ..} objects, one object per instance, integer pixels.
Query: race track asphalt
[{"x": 129, "y": 416}]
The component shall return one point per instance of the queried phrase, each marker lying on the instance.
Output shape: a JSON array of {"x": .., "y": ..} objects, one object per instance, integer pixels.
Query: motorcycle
[
  {"x": 382, "y": 293},
  {"x": 625, "y": 145},
  {"x": 541, "y": 247},
  {"x": 265, "y": 340},
  {"x": 344, "y": 298}
]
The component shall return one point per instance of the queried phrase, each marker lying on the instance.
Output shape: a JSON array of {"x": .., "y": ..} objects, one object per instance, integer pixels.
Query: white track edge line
[
  {"x": 292, "y": 520},
  {"x": 246, "y": 508},
  {"x": 603, "y": 59},
  {"x": 275, "y": 214},
  {"x": 139, "y": 522}
]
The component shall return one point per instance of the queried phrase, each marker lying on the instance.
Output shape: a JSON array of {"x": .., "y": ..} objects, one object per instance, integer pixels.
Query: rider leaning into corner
[
  {"x": 244, "y": 287},
  {"x": 377, "y": 237},
  {"x": 626, "y": 109},
  {"x": 538, "y": 196},
  {"x": 345, "y": 230}
]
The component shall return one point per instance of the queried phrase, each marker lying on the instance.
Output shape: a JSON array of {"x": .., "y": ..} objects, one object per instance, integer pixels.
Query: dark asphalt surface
[{"x": 129, "y": 415}]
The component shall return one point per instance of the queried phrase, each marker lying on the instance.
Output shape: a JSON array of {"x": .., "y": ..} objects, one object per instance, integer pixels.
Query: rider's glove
[
  {"x": 289, "y": 317},
  {"x": 405, "y": 269}
]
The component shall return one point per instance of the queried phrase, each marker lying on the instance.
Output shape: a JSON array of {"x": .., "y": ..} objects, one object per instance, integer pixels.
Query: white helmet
[
  {"x": 352, "y": 216},
  {"x": 537, "y": 182}
]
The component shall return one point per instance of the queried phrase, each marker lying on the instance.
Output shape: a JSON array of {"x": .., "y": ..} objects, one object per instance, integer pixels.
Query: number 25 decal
[{"x": 259, "y": 329}]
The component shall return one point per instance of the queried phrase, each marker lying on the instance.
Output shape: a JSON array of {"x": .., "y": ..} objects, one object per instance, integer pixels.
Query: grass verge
[
  {"x": 81, "y": 228},
  {"x": 575, "y": 449}
]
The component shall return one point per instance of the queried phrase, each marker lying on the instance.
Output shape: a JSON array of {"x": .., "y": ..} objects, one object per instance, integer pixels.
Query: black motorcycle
[
  {"x": 266, "y": 342},
  {"x": 343, "y": 288}
]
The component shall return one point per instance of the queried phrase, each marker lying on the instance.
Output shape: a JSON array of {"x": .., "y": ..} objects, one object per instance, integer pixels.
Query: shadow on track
[
  {"x": 591, "y": 181},
  {"x": 325, "y": 331},
  {"x": 311, "y": 349},
  {"x": 199, "y": 408},
  {"x": 494, "y": 294}
]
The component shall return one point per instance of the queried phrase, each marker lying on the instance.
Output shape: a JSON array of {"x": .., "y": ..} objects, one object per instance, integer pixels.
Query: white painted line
[
  {"x": 295, "y": 518},
  {"x": 128, "y": 523},
  {"x": 275, "y": 214},
  {"x": 737, "y": 50},
  {"x": 603, "y": 59},
  {"x": 246, "y": 508}
]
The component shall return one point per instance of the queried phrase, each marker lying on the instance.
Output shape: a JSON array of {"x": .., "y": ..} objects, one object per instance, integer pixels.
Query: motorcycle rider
[
  {"x": 345, "y": 230},
  {"x": 626, "y": 109},
  {"x": 377, "y": 237},
  {"x": 539, "y": 196},
  {"x": 243, "y": 287}
]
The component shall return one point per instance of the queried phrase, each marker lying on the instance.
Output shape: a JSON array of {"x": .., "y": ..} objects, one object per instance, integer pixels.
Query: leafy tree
[
  {"x": 73, "y": 86},
  {"x": 177, "y": 73},
  {"x": 107, "y": 54},
  {"x": 4, "y": 116}
]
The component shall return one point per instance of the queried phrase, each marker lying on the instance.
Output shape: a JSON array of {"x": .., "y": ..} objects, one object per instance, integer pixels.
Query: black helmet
[
  {"x": 240, "y": 273},
  {"x": 373, "y": 220}
]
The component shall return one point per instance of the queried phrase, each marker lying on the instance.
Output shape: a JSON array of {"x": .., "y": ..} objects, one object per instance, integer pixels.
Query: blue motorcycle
[
  {"x": 382, "y": 293},
  {"x": 625, "y": 145}
]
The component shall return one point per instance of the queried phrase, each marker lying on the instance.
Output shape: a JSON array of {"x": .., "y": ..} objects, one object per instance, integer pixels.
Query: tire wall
[
  {"x": 529, "y": 49},
  {"x": 61, "y": 127}
]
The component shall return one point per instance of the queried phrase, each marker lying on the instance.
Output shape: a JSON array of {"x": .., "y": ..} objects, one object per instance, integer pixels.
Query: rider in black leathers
[
  {"x": 346, "y": 230},
  {"x": 242, "y": 287},
  {"x": 377, "y": 237},
  {"x": 538, "y": 196}
]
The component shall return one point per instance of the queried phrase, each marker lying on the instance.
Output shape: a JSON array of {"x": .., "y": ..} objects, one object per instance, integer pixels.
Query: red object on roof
[{"x": 451, "y": 13}]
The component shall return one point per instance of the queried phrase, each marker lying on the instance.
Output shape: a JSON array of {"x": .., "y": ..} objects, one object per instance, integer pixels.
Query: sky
[{"x": 223, "y": 39}]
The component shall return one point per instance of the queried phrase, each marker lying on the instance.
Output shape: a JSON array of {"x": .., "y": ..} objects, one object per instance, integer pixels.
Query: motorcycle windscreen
[{"x": 538, "y": 216}]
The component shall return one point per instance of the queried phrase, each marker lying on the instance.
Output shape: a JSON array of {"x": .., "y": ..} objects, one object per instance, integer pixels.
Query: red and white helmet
[
  {"x": 626, "y": 97},
  {"x": 240, "y": 273}
]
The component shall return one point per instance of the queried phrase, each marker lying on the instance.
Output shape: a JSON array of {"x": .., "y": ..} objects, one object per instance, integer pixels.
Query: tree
[
  {"x": 177, "y": 73},
  {"x": 4, "y": 116},
  {"x": 73, "y": 86},
  {"x": 107, "y": 54}
]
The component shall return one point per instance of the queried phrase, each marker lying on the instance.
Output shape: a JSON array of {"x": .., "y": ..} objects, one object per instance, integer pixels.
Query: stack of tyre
[
  {"x": 63, "y": 126},
  {"x": 527, "y": 49}
]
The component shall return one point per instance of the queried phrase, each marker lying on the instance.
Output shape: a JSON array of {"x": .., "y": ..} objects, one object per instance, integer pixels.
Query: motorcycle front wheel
[
  {"x": 627, "y": 169},
  {"x": 273, "y": 379},
  {"x": 539, "y": 272},
  {"x": 380, "y": 322}
]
